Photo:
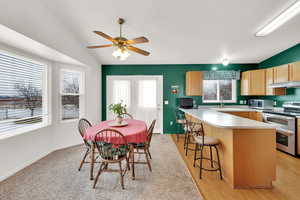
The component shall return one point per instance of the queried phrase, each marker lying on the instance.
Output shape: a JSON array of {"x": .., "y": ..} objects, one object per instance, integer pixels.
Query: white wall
[
  {"x": 32, "y": 19},
  {"x": 21, "y": 150}
]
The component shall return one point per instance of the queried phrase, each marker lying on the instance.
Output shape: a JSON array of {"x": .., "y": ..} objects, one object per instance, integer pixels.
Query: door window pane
[
  {"x": 210, "y": 90},
  {"x": 121, "y": 91},
  {"x": 147, "y": 93}
]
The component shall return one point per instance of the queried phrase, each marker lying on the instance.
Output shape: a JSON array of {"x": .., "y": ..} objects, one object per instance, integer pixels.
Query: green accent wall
[
  {"x": 288, "y": 56},
  {"x": 172, "y": 75}
]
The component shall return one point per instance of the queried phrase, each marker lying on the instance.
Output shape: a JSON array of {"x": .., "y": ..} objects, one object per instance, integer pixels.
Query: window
[
  {"x": 23, "y": 93},
  {"x": 121, "y": 92},
  {"x": 216, "y": 91},
  {"x": 71, "y": 94},
  {"x": 147, "y": 93}
]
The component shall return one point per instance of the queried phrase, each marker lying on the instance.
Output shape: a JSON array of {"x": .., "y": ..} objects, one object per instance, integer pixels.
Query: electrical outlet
[
  {"x": 171, "y": 123},
  {"x": 241, "y": 102}
]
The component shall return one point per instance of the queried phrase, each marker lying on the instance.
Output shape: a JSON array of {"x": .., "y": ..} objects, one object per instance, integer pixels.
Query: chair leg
[
  {"x": 211, "y": 157},
  {"x": 195, "y": 154},
  {"x": 219, "y": 163},
  {"x": 201, "y": 161},
  {"x": 121, "y": 175},
  {"x": 98, "y": 174},
  {"x": 127, "y": 163},
  {"x": 149, "y": 154},
  {"x": 148, "y": 161},
  {"x": 83, "y": 159}
]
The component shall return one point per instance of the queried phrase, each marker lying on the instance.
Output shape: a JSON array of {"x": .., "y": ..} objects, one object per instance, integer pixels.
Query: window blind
[{"x": 21, "y": 92}]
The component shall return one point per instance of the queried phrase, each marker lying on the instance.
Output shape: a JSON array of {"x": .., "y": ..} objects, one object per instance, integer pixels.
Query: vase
[{"x": 119, "y": 120}]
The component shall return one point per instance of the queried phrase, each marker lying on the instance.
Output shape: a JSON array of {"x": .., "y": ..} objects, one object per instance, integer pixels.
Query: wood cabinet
[
  {"x": 298, "y": 136},
  {"x": 294, "y": 71},
  {"x": 256, "y": 116},
  {"x": 281, "y": 74},
  {"x": 270, "y": 80},
  {"x": 193, "y": 85},
  {"x": 253, "y": 82}
]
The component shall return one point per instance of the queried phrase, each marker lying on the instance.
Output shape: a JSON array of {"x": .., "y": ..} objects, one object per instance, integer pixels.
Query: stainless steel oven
[{"x": 285, "y": 131}]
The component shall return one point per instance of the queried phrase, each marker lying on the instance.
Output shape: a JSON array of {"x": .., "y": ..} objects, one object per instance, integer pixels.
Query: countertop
[{"x": 223, "y": 120}]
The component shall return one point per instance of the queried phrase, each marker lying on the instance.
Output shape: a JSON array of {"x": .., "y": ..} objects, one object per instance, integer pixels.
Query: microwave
[
  {"x": 186, "y": 103},
  {"x": 260, "y": 103}
]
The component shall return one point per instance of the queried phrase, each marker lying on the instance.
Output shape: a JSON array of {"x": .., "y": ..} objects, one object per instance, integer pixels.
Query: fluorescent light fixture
[
  {"x": 225, "y": 62},
  {"x": 285, "y": 16}
]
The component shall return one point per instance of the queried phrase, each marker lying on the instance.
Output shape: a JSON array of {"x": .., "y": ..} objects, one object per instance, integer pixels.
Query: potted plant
[{"x": 118, "y": 109}]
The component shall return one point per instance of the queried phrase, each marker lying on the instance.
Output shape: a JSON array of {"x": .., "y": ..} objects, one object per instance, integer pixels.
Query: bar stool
[
  {"x": 202, "y": 141},
  {"x": 192, "y": 129},
  {"x": 180, "y": 120}
]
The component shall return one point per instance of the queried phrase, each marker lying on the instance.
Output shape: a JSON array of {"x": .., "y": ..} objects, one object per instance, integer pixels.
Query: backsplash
[{"x": 288, "y": 56}]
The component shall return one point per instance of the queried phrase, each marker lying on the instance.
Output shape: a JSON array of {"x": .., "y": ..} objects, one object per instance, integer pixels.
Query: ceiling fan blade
[
  {"x": 137, "y": 40},
  {"x": 104, "y": 35},
  {"x": 100, "y": 46},
  {"x": 137, "y": 50}
]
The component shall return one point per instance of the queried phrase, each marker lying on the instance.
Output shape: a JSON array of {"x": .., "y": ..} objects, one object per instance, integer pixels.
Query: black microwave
[{"x": 186, "y": 103}]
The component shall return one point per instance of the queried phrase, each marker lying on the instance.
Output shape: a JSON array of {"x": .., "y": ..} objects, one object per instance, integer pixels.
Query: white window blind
[
  {"x": 71, "y": 91},
  {"x": 22, "y": 93}
]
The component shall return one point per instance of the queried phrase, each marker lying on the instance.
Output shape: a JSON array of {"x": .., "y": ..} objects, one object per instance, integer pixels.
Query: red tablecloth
[{"x": 134, "y": 132}]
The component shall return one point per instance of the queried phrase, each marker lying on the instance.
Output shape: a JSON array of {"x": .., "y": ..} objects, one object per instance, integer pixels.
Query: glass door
[{"x": 141, "y": 94}]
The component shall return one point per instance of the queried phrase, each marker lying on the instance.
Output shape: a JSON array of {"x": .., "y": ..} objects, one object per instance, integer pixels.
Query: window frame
[
  {"x": 81, "y": 94},
  {"x": 46, "y": 93},
  {"x": 234, "y": 93}
]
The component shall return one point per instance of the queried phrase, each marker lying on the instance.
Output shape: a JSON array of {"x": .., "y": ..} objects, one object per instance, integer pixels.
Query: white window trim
[
  {"x": 234, "y": 95},
  {"x": 81, "y": 95},
  {"x": 46, "y": 80}
]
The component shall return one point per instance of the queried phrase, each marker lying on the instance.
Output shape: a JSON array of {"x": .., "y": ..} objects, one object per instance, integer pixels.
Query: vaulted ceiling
[{"x": 180, "y": 32}]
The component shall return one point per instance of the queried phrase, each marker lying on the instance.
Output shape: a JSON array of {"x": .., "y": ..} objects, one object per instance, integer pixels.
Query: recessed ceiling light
[
  {"x": 225, "y": 62},
  {"x": 288, "y": 14}
]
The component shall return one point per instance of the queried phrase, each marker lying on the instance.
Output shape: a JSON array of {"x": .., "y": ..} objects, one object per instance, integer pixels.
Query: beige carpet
[{"x": 56, "y": 177}]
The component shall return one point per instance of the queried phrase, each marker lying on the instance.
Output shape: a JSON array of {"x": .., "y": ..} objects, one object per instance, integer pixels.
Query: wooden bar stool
[
  {"x": 202, "y": 141},
  {"x": 192, "y": 129}
]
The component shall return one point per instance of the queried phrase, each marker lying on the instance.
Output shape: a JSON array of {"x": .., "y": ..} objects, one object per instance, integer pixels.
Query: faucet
[{"x": 222, "y": 103}]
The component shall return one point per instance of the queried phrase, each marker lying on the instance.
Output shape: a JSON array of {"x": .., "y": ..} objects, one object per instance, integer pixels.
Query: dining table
[{"x": 134, "y": 131}]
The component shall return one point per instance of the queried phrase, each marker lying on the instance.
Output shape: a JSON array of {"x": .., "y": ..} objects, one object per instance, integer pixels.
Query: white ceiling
[{"x": 181, "y": 32}]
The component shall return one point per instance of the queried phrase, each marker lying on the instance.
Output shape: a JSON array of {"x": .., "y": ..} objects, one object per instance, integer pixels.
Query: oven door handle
[
  {"x": 278, "y": 116},
  {"x": 285, "y": 132}
]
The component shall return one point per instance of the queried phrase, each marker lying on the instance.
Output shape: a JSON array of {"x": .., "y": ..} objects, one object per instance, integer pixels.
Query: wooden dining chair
[
  {"x": 111, "y": 153},
  {"x": 83, "y": 125},
  {"x": 144, "y": 148}
]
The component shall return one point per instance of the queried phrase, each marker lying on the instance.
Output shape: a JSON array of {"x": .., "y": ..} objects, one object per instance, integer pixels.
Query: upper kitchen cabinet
[
  {"x": 270, "y": 80},
  {"x": 253, "y": 82},
  {"x": 281, "y": 74},
  {"x": 193, "y": 86},
  {"x": 295, "y": 71}
]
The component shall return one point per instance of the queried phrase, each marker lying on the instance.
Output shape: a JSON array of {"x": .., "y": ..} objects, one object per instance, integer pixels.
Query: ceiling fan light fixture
[
  {"x": 121, "y": 54},
  {"x": 285, "y": 16}
]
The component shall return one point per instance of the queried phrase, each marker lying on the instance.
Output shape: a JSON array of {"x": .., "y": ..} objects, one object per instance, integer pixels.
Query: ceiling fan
[{"x": 122, "y": 44}]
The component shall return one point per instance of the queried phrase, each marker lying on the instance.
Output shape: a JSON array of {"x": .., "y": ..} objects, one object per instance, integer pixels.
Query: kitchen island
[{"x": 247, "y": 149}]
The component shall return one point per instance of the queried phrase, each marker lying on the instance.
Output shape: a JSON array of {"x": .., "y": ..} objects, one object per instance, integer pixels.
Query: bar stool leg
[
  {"x": 187, "y": 144},
  {"x": 211, "y": 157},
  {"x": 195, "y": 154},
  {"x": 219, "y": 163},
  {"x": 201, "y": 161}
]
